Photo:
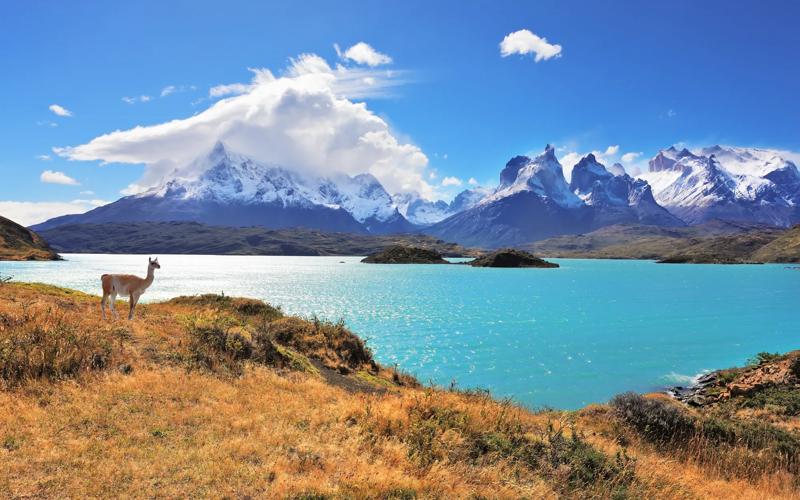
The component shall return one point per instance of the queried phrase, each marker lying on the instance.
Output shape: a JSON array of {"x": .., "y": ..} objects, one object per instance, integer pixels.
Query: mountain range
[{"x": 531, "y": 202}]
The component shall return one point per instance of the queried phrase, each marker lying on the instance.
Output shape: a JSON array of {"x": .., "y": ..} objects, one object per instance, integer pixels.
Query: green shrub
[
  {"x": 216, "y": 343},
  {"x": 787, "y": 399},
  {"x": 763, "y": 357}
]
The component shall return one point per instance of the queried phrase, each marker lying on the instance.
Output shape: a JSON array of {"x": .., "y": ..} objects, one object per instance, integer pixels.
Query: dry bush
[
  {"x": 731, "y": 448},
  {"x": 441, "y": 429},
  {"x": 333, "y": 344},
  {"x": 45, "y": 343},
  {"x": 243, "y": 306}
]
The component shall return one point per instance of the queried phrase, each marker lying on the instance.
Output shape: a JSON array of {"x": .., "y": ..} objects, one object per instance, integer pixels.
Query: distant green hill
[
  {"x": 713, "y": 242},
  {"x": 200, "y": 239},
  {"x": 19, "y": 243}
]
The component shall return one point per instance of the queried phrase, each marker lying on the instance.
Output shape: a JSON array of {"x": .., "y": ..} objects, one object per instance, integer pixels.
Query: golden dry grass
[{"x": 219, "y": 397}]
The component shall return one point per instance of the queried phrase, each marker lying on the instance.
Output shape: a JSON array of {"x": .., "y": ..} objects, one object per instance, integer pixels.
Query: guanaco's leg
[
  {"x": 112, "y": 304},
  {"x": 133, "y": 300},
  {"x": 103, "y": 304}
]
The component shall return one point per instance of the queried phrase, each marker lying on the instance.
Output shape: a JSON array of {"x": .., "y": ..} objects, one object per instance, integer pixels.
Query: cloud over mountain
[{"x": 306, "y": 119}]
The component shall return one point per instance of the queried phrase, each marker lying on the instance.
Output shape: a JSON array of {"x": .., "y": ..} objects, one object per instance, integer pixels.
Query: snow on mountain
[
  {"x": 425, "y": 212},
  {"x": 620, "y": 198},
  {"x": 533, "y": 201},
  {"x": 733, "y": 183},
  {"x": 232, "y": 189},
  {"x": 542, "y": 175}
]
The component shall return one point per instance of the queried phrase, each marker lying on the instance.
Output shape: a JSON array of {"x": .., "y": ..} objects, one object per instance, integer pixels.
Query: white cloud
[
  {"x": 671, "y": 113},
  {"x": 43, "y": 157},
  {"x": 526, "y": 42},
  {"x": 134, "y": 100},
  {"x": 87, "y": 193},
  {"x": 28, "y": 213},
  {"x": 48, "y": 123},
  {"x": 363, "y": 53},
  {"x": 305, "y": 120},
  {"x": 451, "y": 181},
  {"x": 229, "y": 89},
  {"x": 570, "y": 158},
  {"x": 53, "y": 177},
  {"x": 94, "y": 203},
  {"x": 60, "y": 110},
  {"x": 473, "y": 181},
  {"x": 631, "y": 157},
  {"x": 132, "y": 189},
  {"x": 175, "y": 89}
]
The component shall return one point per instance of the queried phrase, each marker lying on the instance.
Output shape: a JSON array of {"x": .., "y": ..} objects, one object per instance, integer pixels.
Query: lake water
[{"x": 546, "y": 337}]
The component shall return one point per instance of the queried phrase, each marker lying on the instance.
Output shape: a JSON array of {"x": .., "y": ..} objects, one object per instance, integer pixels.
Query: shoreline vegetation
[{"x": 219, "y": 396}]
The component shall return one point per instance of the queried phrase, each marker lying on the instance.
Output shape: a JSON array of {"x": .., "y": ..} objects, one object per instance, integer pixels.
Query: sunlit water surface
[{"x": 546, "y": 337}]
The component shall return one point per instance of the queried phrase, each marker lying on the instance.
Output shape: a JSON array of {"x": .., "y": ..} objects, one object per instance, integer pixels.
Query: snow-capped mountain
[
  {"x": 745, "y": 184},
  {"x": 618, "y": 197},
  {"x": 542, "y": 176},
  {"x": 235, "y": 190},
  {"x": 533, "y": 201},
  {"x": 425, "y": 212}
]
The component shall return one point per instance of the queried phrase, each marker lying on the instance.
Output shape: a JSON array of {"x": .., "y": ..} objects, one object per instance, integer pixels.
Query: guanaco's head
[{"x": 154, "y": 263}]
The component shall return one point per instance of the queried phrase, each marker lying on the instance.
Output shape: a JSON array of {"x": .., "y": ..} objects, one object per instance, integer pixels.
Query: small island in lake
[
  {"x": 510, "y": 257},
  {"x": 399, "y": 254}
]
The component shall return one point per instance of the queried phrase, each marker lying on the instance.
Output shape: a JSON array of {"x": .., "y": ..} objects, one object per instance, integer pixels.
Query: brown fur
[{"x": 126, "y": 285}]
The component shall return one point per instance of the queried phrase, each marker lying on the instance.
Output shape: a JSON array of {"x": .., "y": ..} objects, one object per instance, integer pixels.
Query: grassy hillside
[
  {"x": 784, "y": 248},
  {"x": 19, "y": 243},
  {"x": 225, "y": 397},
  {"x": 194, "y": 238},
  {"x": 714, "y": 242}
]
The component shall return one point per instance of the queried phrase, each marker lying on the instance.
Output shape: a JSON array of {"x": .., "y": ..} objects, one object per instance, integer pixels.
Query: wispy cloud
[
  {"x": 526, "y": 42},
  {"x": 363, "y": 53},
  {"x": 228, "y": 89},
  {"x": 134, "y": 100},
  {"x": 176, "y": 89},
  {"x": 43, "y": 157},
  {"x": 473, "y": 181},
  {"x": 53, "y": 177},
  {"x": 59, "y": 110}
]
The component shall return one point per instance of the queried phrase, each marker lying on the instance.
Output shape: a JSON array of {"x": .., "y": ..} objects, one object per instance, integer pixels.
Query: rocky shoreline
[
  {"x": 695, "y": 394},
  {"x": 765, "y": 371}
]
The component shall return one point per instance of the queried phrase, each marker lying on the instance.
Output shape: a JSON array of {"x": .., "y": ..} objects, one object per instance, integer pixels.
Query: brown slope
[{"x": 20, "y": 243}]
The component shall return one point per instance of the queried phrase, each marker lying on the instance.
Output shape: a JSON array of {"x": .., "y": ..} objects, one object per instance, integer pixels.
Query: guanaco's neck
[{"x": 151, "y": 274}]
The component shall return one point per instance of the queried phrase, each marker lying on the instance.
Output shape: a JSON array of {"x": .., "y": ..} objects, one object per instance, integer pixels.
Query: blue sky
[{"x": 637, "y": 75}]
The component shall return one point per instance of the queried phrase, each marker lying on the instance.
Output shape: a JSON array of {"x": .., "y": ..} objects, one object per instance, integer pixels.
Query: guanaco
[{"x": 126, "y": 284}]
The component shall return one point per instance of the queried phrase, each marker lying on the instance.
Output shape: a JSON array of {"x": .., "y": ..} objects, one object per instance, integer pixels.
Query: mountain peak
[
  {"x": 509, "y": 174},
  {"x": 219, "y": 150}
]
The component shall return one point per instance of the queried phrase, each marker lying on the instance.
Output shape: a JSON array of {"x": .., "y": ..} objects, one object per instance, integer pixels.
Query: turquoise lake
[{"x": 544, "y": 337}]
